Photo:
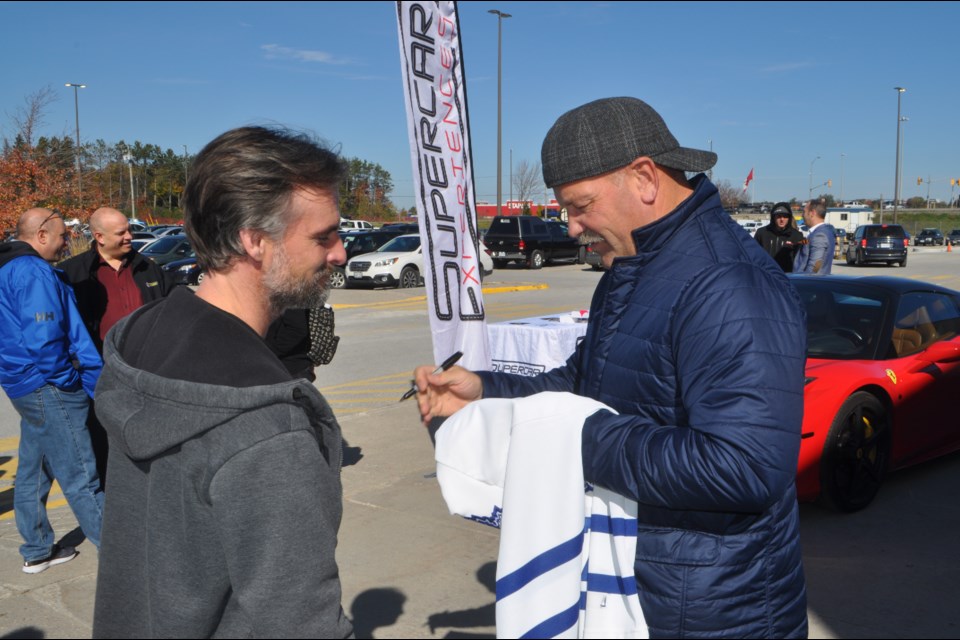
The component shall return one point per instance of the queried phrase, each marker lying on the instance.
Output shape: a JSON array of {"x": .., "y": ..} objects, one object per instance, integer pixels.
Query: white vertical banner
[{"x": 436, "y": 102}]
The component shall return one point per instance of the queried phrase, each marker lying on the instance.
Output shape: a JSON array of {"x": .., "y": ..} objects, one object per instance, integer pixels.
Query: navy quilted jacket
[{"x": 699, "y": 343}]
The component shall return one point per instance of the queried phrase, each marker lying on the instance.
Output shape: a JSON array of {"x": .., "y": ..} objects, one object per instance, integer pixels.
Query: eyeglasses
[
  {"x": 781, "y": 215},
  {"x": 54, "y": 214}
]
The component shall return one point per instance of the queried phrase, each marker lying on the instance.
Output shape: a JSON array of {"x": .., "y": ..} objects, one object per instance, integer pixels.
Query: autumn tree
[{"x": 364, "y": 193}]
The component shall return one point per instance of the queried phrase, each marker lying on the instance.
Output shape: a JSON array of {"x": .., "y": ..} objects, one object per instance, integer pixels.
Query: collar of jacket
[
  {"x": 92, "y": 258},
  {"x": 15, "y": 249},
  {"x": 649, "y": 239}
]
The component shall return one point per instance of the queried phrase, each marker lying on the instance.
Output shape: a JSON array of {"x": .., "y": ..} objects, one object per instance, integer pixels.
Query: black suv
[
  {"x": 928, "y": 236},
  {"x": 954, "y": 237},
  {"x": 531, "y": 241},
  {"x": 878, "y": 243}
]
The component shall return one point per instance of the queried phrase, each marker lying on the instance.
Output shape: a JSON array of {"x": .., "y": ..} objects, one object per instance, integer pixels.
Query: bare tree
[
  {"x": 526, "y": 179},
  {"x": 729, "y": 195},
  {"x": 29, "y": 117}
]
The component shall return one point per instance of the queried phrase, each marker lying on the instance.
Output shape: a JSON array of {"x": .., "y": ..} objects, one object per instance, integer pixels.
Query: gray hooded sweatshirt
[{"x": 222, "y": 506}]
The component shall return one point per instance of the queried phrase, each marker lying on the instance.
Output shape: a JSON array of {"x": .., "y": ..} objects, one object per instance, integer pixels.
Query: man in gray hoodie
[{"x": 225, "y": 495}]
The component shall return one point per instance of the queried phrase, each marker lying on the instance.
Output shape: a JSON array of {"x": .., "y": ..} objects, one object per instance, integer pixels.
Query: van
[{"x": 878, "y": 243}]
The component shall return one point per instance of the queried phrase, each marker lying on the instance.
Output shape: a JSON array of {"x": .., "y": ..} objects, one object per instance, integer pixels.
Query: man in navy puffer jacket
[{"x": 697, "y": 339}]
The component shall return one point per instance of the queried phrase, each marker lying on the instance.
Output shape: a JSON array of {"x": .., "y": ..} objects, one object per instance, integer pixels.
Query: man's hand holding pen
[{"x": 444, "y": 393}]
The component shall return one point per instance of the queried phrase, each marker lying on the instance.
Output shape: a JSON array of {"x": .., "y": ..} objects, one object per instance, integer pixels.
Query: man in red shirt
[{"x": 110, "y": 281}]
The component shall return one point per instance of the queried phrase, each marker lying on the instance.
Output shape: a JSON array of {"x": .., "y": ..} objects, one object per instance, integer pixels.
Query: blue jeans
[{"x": 54, "y": 444}]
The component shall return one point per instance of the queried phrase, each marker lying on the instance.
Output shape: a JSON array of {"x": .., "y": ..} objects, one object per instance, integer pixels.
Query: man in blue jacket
[
  {"x": 49, "y": 368},
  {"x": 816, "y": 257},
  {"x": 697, "y": 340}
]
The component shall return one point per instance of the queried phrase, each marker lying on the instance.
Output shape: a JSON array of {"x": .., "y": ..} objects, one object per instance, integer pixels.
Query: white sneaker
[{"x": 58, "y": 555}]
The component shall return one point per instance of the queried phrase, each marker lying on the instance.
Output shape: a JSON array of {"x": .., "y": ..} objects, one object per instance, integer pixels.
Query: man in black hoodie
[
  {"x": 225, "y": 496},
  {"x": 781, "y": 238}
]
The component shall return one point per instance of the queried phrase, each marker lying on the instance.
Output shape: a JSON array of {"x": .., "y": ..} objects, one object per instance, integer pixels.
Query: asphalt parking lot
[{"x": 411, "y": 570}]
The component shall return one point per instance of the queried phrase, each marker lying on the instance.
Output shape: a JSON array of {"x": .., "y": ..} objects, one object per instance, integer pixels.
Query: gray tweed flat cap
[{"x": 611, "y": 133}]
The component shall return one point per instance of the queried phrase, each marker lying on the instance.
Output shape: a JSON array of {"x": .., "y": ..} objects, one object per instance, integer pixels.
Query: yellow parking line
[
  {"x": 423, "y": 298},
  {"x": 9, "y": 468}
]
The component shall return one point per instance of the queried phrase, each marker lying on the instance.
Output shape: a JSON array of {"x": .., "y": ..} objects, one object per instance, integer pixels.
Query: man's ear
[
  {"x": 254, "y": 243},
  {"x": 644, "y": 178}
]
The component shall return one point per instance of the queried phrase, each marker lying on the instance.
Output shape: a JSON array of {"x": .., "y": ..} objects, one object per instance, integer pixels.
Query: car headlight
[
  {"x": 187, "y": 268},
  {"x": 386, "y": 262}
]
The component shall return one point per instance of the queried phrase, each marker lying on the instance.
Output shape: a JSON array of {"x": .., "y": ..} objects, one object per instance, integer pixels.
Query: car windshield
[
  {"x": 401, "y": 244},
  {"x": 843, "y": 321}
]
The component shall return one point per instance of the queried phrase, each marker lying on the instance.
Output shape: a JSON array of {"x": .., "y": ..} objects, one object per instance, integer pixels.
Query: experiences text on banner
[{"x": 438, "y": 127}]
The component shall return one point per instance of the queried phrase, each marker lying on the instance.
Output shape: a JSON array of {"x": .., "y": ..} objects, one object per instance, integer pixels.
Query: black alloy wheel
[
  {"x": 409, "y": 278},
  {"x": 536, "y": 260},
  {"x": 856, "y": 452}
]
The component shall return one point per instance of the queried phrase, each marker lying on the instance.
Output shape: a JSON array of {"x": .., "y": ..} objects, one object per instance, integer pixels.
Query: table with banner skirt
[{"x": 531, "y": 346}]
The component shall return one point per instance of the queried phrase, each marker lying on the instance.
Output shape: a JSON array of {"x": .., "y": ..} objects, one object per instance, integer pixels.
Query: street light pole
[
  {"x": 500, "y": 16},
  {"x": 896, "y": 185},
  {"x": 810, "y": 191},
  {"x": 133, "y": 196},
  {"x": 710, "y": 170},
  {"x": 76, "y": 113},
  {"x": 842, "y": 156}
]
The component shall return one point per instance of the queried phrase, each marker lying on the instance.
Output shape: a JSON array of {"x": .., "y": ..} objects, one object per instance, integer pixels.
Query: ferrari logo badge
[{"x": 892, "y": 376}]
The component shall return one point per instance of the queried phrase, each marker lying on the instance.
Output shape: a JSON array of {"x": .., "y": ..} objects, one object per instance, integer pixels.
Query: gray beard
[
  {"x": 588, "y": 237},
  {"x": 285, "y": 292}
]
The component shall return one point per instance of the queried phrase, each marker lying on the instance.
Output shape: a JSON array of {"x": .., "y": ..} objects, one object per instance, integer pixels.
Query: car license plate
[
  {"x": 498, "y": 254},
  {"x": 886, "y": 245}
]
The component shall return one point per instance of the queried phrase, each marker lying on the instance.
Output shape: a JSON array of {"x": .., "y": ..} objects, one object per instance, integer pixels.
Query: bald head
[
  {"x": 45, "y": 231},
  {"x": 111, "y": 232},
  {"x": 105, "y": 216}
]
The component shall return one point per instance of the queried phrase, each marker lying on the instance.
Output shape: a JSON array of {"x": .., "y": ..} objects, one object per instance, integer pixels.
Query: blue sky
[{"x": 771, "y": 85}]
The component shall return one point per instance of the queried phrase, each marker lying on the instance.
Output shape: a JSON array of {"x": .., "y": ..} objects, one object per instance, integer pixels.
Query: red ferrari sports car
[{"x": 882, "y": 380}]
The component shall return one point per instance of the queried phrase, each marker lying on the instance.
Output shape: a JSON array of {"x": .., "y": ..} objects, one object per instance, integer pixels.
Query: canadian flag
[{"x": 746, "y": 182}]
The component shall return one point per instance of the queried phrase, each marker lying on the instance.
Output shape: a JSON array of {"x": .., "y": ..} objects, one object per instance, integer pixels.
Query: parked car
[
  {"x": 401, "y": 227},
  {"x": 592, "y": 258},
  {"x": 486, "y": 260},
  {"x": 357, "y": 243},
  {"x": 928, "y": 237},
  {"x": 355, "y": 225},
  {"x": 398, "y": 263},
  {"x": 183, "y": 272},
  {"x": 878, "y": 243},
  {"x": 531, "y": 241},
  {"x": 954, "y": 237},
  {"x": 882, "y": 372},
  {"x": 167, "y": 249},
  {"x": 173, "y": 230}
]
